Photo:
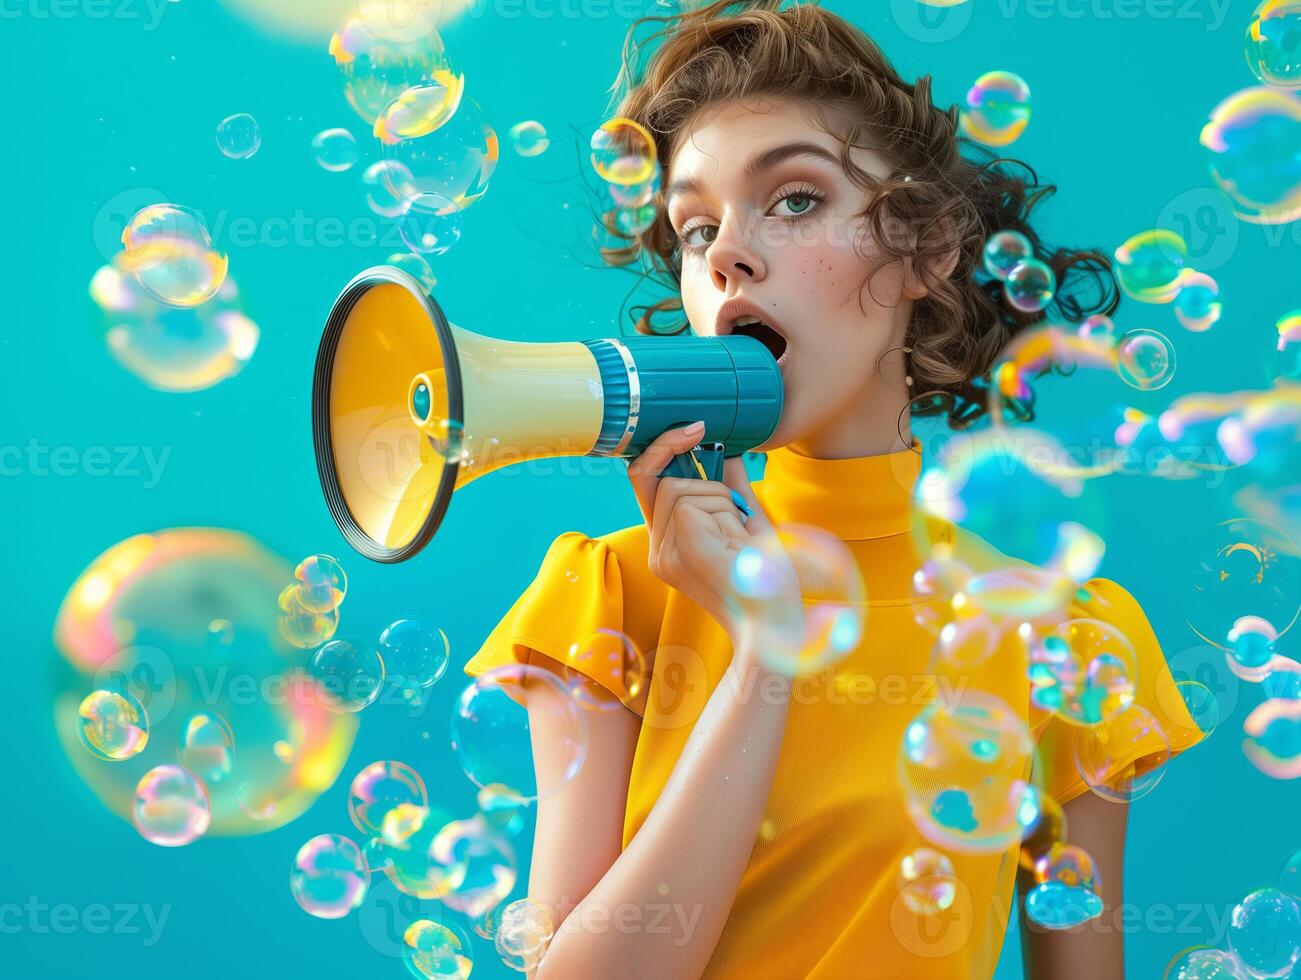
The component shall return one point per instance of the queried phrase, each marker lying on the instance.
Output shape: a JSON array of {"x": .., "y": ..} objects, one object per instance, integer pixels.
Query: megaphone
[{"x": 407, "y": 407}]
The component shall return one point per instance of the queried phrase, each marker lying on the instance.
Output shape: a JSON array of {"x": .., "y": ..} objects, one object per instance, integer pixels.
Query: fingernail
[
  {"x": 693, "y": 428},
  {"x": 741, "y": 504}
]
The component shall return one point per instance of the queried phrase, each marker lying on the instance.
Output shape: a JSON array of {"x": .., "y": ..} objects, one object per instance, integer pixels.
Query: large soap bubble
[{"x": 1254, "y": 142}]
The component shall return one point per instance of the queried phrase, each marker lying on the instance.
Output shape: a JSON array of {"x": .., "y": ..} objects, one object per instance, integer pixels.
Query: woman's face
[{"x": 766, "y": 220}]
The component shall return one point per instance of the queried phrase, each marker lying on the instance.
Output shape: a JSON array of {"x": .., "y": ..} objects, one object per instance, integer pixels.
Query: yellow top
[{"x": 819, "y": 897}]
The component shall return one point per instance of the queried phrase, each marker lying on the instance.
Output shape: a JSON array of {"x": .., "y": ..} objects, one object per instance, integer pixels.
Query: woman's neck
[{"x": 873, "y": 422}]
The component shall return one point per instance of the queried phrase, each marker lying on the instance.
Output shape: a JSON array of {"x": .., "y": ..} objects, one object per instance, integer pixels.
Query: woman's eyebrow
[{"x": 759, "y": 162}]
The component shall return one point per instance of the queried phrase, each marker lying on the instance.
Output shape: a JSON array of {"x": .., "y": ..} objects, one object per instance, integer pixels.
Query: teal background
[{"x": 101, "y": 111}]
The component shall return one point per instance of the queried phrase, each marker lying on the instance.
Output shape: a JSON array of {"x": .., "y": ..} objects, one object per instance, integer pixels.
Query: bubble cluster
[
  {"x": 454, "y": 161},
  {"x": 324, "y": 583},
  {"x": 335, "y": 150},
  {"x": 997, "y": 110},
  {"x": 624, "y": 156},
  {"x": 299, "y": 625},
  {"x": 239, "y": 136},
  {"x": 1253, "y": 140},
  {"x": 114, "y": 725},
  {"x": 350, "y": 674},
  {"x": 1084, "y": 670},
  {"x": 1273, "y": 43},
  {"x": 207, "y": 747},
  {"x": 437, "y": 950},
  {"x": 523, "y": 933},
  {"x": 529, "y": 138},
  {"x": 926, "y": 881},
  {"x": 171, "y": 807},
  {"x": 329, "y": 876},
  {"x": 1205, "y": 963},
  {"x": 1004, "y": 251},
  {"x": 1150, "y": 265},
  {"x": 169, "y": 251}
]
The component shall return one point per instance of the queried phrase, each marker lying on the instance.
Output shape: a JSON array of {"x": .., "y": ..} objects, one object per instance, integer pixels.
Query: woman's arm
[
  {"x": 658, "y": 908},
  {"x": 1096, "y": 948}
]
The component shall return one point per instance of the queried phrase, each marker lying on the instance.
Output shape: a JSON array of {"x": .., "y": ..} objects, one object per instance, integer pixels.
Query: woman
[{"x": 729, "y": 820}]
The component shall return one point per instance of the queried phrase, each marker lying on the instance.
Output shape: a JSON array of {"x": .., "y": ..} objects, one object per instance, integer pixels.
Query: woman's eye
[
  {"x": 796, "y": 204},
  {"x": 700, "y": 236}
]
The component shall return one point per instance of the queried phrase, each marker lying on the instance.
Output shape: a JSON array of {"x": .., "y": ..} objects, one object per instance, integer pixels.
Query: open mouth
[{"x": 763, "y": 333}]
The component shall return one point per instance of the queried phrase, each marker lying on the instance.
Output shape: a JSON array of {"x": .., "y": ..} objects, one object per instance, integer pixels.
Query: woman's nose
[{"x": 732, "y": 256}]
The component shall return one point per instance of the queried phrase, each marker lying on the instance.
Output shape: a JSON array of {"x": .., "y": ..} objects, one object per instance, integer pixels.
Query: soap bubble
[
  {"x": 171, "y": 807},
  {"x": 1053, "y": 905},
  {"x": 114, "y": 725},
  {"x": 299, "y": 625},
  {"x": 998, "y": 109},
  {"x": 488, "y": 860},
  {"x": 1069, "y": 865},
  {"x": 1150, "y": 265},
  {"x": 207, "y": 747},
  {"x": 350, "y": 674},
  {"x": 1050, "y": 830},
  {"x": 1004, "y": 251},
  {"x": 380, "y": 787},
  {"x": 329, "y": 877},
  {"x": 1254, "y": 141},
  {"x": 809, "y": 564},
  {"x": 490, "y": 729},
  {"x": 1205, "y": 963},
  {"x": 324, "y": 583},
  {"x": 455, "y": 161},
  {"x": 1105, "y": 755},
  {"x": 421, "y": 109},
  {"x": 405, "y": 852},
  {"x": 1177, "y": 699},
  {"x": 335, "y": 149},
  {"x": 1284, "y": 679},
  {"x": 623, "y": 152},
  {"x": 388, "y": 188},
  {"x": 501, "y": 809},
  {"x": 1251, "y": 648},
  {"x": 1197, "y": 306},
  {"x": 1288, "y": 350},
  {"x": 1145, "y": 359},
  {"x": 963, "y": 766},
  {"x": 416, "y": 267},
  {"x": 1030, "y": 286},
  {"x": 239, "y": 136},
  {"x": 431, "y": 224},
  {"x": 926, "y": 881},
  {"x": 1085, "y": 670},
  {"x": 1241, "y": 567},
  {"x": 529, "y": 138},
  {"x": 1273, "y": 742},
  {"x": 437, "y": 950},
  {"x": 1273, "y": 43},
  {"x": 606, "y": 656},
  {"x": 1289, "y": 876},
  {"x": 415, "y": 657},
  {"x": 524, "y": 932},
  {"x": 1265, "y": 932},
  {"x": 171, "y": 348},
  {"x": 169, "y": 250}
]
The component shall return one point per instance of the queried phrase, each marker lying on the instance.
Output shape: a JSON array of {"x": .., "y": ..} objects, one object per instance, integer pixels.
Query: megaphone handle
[{"x": 687, "y": 465}]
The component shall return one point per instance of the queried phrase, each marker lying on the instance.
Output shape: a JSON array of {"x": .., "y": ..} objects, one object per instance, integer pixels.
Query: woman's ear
[{"x": 935, "y": 257}]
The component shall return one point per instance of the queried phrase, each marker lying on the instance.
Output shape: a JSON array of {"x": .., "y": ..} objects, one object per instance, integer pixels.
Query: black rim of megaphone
[{"x": 343, "y": 306}]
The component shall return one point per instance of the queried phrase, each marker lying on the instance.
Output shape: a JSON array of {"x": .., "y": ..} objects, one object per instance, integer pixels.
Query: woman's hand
[{"x": 696, "y": 532}]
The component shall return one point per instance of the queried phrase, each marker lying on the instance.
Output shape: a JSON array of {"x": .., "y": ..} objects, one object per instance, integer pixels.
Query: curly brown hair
[{"x": 955, "y": 195}]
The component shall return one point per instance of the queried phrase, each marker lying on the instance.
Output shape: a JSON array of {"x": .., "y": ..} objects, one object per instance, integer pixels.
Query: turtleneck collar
[{"x": 855, "y": 499}]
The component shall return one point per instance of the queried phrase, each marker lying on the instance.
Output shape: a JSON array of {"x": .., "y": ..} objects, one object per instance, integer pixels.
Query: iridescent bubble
[
  {"x": 329, "y": 877},
  {"x": 623, "y": 152},
  {"x": 171, "y": 807},
  {"x": 1273, "y": 742},
  {"x": 380, "y": 787},
  {"x": 207, "y": 747},
  {"x": 388, "y": 188},
  {"x": 488, "y": 860},
  {"x": 335, "y": 150},
  {"x": 406, "y": 854},
  {"x": 490, "y": 729},
  {"x": 299, "y": 625},
  {"x": 431, "y": 224},
  {"x": 926, "y": 881},
  {"x": 437, "y": 951},
  {"x": 114, "y": 725},
  {"x": 171, "y": 348},
  {"x": 455, "y": 161},
  {"x": 1197, "y": 305},
  {"x": 415, "y": 656},
  {"x": 1069, "y": 865},
  {"x": 169, "y": 250},
  {"x": 1288, "y": 351},
  {"x": 524, "y": 932},
  {"x": 1242, "y": 567},
  {"x": 962, "y": 765},
  {"x": 1289, "y": 876},
  {"x": 1085, "y": 670},
  {"x": 239, "y": 136},
  {"x": 1004, "y": 251},
  {"x": 605, "y": 662},
  {"x": 385, "y": 48},
  {"x": 1254, "y": 141},
  {"x": 324, "y": 583},
  {"x": 1030, "y": 286},
  {"x": 1150, "y": 264},
  {"x": 1250, "y": 651},
  {"x": 1105, "y": 755},
  {"x": 1205, "y": 963},
  {"x": 402, "y": 823},
  {"x": 1053, "y": 905},
  {"x": 998, "y": 109},
  {"x": 1273, "y": 43},
  {"x": 416, "y": 266},
  {"x": 1192, "y": 699},
  {"x": 808, "y": 564},
  {"x": 1145, "y": 359},
  {"x": 1265, "y": 932},
  {"x": 1050, "y": 830},
  {"x": 501, "y": 809},
  {"x": 633, "y": 220},
  {"x": 1097, "y": 329},
  {"x": 529, "y": 138},
  {"x": 350, "y": 673},
  {"x": 421, "y": 109}
]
